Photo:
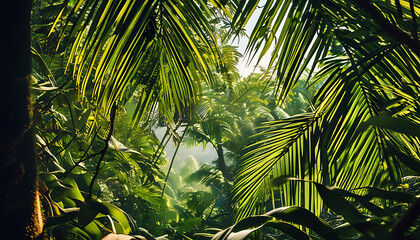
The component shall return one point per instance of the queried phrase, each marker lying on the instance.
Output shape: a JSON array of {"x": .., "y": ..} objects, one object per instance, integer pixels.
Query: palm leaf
[
  {"x": 295, "y": 32},
  {"x": 377, "y": 76},
  {"x": 154, "y": 46}
]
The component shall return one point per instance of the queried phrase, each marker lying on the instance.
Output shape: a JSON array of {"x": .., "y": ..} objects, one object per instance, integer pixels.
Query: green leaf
[
  {"x": 346, "y": 230},
  {"x": 88, "y": 212},
  {"x": 400, "y": 125},
  {"x": 288, "y": 229},
  {"x": 45, "y": 69},
  {"x": 74, "y": 229},
  {"x": 61, "y": 219},
  {"x": 241, "y": 234},
  {"x": 391, "y": 195},
  {"x": 305, "y": 218},
  {"x": 250, "y": 222},
  {"x": 116, "y": 213},
  {"x": 339, "y": 205},
  {"x": 93, "y": 230}
]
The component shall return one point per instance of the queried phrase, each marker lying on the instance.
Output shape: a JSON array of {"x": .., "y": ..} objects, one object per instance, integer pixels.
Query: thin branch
[
  {"x": 83, "y": 158},
  {"x": 71, "y": 140},
  {"x": 162, "y": 145},
  {"x": 159, "y": 151},
  {"x": 103, "y": 151},
  {"x": 71, "y": 112},
  {"x": 173, "y": 158}
]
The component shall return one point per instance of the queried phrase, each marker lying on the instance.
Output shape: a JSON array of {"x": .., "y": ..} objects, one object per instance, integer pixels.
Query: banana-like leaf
[
  {"x": 89, "y": 211},
  {"x": 286, "y": 216}
]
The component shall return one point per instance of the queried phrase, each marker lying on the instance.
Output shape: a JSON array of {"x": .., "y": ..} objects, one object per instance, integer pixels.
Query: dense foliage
[{"x": 323, "y": 143}]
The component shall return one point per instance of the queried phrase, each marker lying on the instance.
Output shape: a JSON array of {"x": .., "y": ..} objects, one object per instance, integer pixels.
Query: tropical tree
[
  {"x": 20, "y": 203},
  {"x": 155, "y": 50},
  {"x": 152, "y": 53},
  {"x": 228, "y": 115},
  {"x": 366, "y": 58}
]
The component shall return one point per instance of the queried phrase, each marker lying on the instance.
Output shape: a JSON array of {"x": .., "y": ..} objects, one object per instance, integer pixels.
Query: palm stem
[
  {"x": 103, "y": 151},
  {"x": 173, "y": 158}
]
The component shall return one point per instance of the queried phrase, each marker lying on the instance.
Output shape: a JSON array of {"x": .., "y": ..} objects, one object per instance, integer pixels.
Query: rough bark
[
  {"x": 19, "y": 201},
  {"x": 222, "y": 162}
]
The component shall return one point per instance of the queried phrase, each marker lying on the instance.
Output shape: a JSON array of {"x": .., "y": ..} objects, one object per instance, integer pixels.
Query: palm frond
[
  {"x": 286, "y": 149},
  {"x": 296, "y": 34},
  {"x": 300, "y": 33},
  {"x": 157, "y": 46},
  {"x": 375, "y": 78}
]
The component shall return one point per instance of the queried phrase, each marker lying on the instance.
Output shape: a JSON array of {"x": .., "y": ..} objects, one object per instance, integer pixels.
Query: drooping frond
[
  {"x": 275, "y": 155},
  {"x": 156, "y": 50},
  {"x": 295, "y": 32},
  {"x": 367, "y": 75},
  {"x": 300, "y": 33}
]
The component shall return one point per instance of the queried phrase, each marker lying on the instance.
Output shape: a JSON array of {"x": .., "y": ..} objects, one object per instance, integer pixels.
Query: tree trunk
[
  {"x": 19, "y": 202},
  {"x": 222, "y": 162}
]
